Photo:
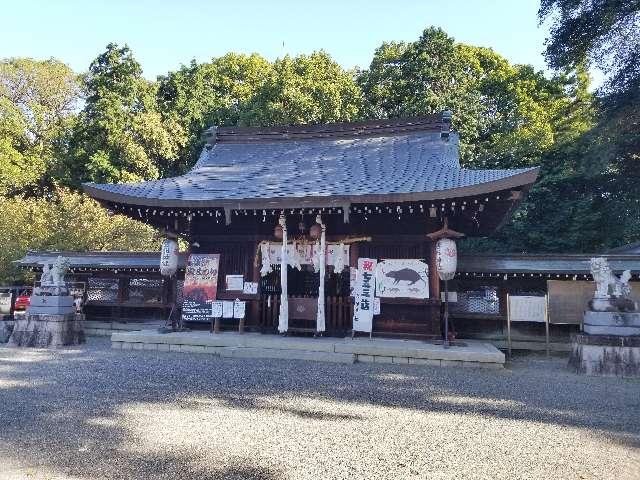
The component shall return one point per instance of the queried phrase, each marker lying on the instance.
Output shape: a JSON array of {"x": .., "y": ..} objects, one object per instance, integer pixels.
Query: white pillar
[
  {"x": 283, "y": 318},
  {"x": 320, "y": 320}
]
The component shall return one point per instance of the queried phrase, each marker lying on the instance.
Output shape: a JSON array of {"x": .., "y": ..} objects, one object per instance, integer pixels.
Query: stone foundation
[
  {"x": 47, "y": 330},
  {"x": 252, "y": 345},
  {"x": 606, "y": 355},
  {"x": 6, "y": 327},
  {"x": 612, "y": 323}
]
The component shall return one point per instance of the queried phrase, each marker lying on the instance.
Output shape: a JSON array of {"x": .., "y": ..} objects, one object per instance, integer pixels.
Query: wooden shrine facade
[
  {"x": 128, "y": 287},
  {"x": 380, "y": 186}
]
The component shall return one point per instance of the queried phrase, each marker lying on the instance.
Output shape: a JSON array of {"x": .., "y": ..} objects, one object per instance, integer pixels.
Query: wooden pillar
[
  {"x": 254, "y": 309},
  {"x": 353, "y": 255},
  {"x": 123, "y": 296}
]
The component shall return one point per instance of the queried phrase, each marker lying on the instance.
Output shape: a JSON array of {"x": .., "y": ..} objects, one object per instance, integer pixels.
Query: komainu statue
[
  {"x": 52, "y": 278},
  {"x": 612, "y": 294}
]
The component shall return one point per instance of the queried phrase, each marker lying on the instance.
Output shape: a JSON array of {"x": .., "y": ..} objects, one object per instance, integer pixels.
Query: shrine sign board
[
  {"x": 200, "y": 287},
  {"x": 364, "y": 295},
  {"x": 527, "y": 308},
  {"x": 402, "y": 278}
]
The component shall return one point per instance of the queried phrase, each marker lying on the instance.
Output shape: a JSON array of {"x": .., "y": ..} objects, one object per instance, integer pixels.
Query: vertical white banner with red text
[{"x": 364, "y": 294}]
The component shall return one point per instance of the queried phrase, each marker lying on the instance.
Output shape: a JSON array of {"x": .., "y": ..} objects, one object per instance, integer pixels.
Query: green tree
[
  {"x": 38, "y": 102},
  {"x": 304, "y": 89},
  {"x": 64, "y": 220},
  {"x": 605, "y": 34},
  {"x": 121, "y": 136},
  {"x": 506, "y": 115},
  {"x": 214, "y": 93}
]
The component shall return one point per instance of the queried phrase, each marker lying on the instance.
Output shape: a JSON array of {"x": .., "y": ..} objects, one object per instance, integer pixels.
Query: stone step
[{"x": 347, "y": 350}]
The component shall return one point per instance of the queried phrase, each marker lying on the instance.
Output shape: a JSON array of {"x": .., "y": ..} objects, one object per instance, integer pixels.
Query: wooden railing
[{"x": 338, "y": 313}]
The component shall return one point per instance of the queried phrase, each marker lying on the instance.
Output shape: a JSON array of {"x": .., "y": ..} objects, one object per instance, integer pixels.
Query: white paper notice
[
  {"x": 250, "y": 288},
  {"x": 216, "y": 309},
  {"x": 376, "y": 305},
  {"x": 227, "y": 309},
  {"x": 527, "y": 309},
  {"x": 239, "y": 308},
  {"x": 235, "y": 282},
  {"x": 453, "y": 296}
]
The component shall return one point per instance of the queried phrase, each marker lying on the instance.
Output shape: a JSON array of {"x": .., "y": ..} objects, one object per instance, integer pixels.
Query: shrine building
[{"x": 333, "y": 194}]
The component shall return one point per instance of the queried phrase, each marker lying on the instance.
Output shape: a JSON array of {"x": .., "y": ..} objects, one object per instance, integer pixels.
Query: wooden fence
[{"x": 338, "y": 314}]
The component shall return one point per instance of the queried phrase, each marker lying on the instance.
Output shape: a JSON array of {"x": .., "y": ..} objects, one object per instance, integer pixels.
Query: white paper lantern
[
  {"x": 169, "y": 257},
  {"x": 446, "y": 258}
]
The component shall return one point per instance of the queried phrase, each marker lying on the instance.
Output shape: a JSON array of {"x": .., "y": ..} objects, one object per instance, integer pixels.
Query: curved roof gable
[{"x": 392, "y": 160}]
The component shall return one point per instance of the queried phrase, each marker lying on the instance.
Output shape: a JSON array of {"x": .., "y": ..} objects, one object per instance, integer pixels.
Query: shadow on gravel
[{"x": 49, "y": 402}]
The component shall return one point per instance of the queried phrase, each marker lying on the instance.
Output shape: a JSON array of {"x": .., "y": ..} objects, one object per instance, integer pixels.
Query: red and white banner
[{"x": 364, "y": 294}]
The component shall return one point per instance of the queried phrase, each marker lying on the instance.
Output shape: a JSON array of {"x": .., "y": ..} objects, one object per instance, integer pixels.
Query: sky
[{"x": 165, "y": 34}]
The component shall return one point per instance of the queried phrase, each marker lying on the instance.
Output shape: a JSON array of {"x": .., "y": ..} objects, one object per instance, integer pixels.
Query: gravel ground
[{"x": 91, "y": 413}]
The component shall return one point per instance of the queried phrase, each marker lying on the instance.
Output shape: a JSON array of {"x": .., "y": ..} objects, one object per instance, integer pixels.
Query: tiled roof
[
  {"x": 97, "y": 260},
  {"x": 479, "y": 263},
  {"x": 543, "y": 262},
  {"x": 321, "y": 167}
]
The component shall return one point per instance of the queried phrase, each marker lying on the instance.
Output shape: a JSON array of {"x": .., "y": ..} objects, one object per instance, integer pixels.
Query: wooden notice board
[{"x": 568, "y": 300}]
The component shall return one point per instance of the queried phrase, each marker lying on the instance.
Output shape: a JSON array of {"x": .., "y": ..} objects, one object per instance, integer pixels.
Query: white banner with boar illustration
[{"x": 402, "y": 278}]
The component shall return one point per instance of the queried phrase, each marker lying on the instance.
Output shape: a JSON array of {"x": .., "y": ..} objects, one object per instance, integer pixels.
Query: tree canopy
[
  {"x": 64, "y": 220},
  {"x": 37, "y": 105},
  {"x": 606, "y": 34},
  {"x": 111, "y": 124},
  {"x": 120, "y": 135},
  {"x": 507, "y": 115}
]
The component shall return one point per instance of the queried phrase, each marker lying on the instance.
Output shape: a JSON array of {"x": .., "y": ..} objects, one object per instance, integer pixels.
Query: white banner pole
[
  {"x": 283, "y": 318},
  {"x": 320, "y": 320}
]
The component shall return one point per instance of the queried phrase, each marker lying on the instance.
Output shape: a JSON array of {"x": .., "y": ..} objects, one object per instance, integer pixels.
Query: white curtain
[
  {"x": 320, "y": 320},
  {"x": 337, "y": 255},
  {"x": 283, "y": 318},
  {"x": 266, "y": 260}
]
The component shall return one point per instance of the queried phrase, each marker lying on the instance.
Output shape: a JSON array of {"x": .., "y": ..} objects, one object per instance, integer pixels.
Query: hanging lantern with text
[
  {"x": 169, "y": 257},
  {"x": 446, "y": 258}
]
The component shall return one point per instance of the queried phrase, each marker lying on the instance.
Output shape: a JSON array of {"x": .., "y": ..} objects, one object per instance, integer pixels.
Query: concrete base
[
  {"x": 94, "y": 328},
  {"x": 54, "y": 330},
  {"x": 253, "y": 345},
  {"x": 606, "y": 355},
  {"x": 50, "y": 304},
  {"x": 6, "y": 327},
  {"x": 612, "y": 323}
]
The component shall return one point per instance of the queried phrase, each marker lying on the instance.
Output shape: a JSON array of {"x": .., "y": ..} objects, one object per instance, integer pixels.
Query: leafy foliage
[
  {"x": 605, "y": 33},
  {"x": 305, "y": 89},
  {"x": 121, "y": 136},
  {"x": 215, "y": 93},
  {"x": 64, "y": 220},
  {"x": 507, "y": 115},
  {"x": 37, "y": 103}
]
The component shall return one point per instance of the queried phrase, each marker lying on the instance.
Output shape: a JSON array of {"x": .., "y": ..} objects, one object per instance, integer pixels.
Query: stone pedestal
[
  {"x": 612, "y": 323},
  {"x": 606, "y": 355},
  {"x": 50, "y": 304},
  {"x": 6, "y": 327},
  {"x": 47, "y": 330}
]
